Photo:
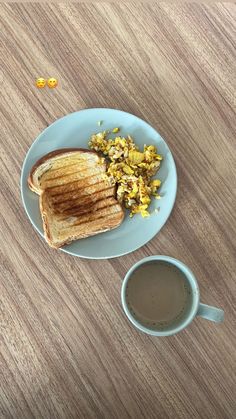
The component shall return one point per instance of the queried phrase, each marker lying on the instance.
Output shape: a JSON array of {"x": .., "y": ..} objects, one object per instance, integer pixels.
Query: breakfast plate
[{"x": 74, "y": 130}]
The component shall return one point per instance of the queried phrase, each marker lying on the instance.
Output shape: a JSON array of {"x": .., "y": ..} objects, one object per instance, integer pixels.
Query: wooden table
[{"x": 67, "y": 349}]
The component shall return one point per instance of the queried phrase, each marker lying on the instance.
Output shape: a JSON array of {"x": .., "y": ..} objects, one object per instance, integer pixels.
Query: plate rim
[{"x": 71, "y": 253}]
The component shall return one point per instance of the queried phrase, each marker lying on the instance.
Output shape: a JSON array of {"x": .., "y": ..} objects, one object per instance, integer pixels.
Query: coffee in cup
[{"x": 160, "y": 296}]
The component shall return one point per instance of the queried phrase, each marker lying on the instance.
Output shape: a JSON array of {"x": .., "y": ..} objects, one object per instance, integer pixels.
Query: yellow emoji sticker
[
  {"x": 40, "y": 82},
  {"x": 52, "y": 83}
]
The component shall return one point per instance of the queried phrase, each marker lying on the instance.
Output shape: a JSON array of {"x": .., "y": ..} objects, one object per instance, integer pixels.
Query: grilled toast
[{"x": 75, "y": 200}]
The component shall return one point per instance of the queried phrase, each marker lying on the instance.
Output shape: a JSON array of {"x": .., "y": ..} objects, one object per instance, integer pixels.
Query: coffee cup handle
[{"x": 210, "y": 313}]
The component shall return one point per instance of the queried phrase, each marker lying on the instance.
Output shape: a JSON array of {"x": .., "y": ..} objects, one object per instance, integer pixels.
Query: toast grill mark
[
  {"x": 69, "y": 178},
  {"x": 102, "y": 213},
  {"x": 84, "y": 191},
  {"x": 76, "y": 184},
  {"x": 97, "y": 217},
  {"x": 61, "y": 172},
  {"x": 91, "y": 228},
  {"x": 69, "y": 161},
  {"x": 82, "y": 210},
  {"x": 76, "y": 201},
  {"x": 53, "y": 172}
]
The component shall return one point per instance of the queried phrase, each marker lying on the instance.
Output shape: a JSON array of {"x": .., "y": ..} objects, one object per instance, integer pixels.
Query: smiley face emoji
[
  {"x": 40, "y": 82},
  {"x": 52, "y": 83}
]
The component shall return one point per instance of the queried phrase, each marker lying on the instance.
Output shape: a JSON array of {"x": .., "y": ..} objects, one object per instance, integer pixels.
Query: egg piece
[{"x": 131, "y": 169}]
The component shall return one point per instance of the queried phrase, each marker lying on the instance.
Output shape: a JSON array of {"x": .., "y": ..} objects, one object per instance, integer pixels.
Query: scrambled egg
[{"x": 131, "y": 169}]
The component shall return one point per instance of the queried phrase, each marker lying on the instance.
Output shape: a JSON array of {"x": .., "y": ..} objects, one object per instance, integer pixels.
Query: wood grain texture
[{"x": 67, "y": 350}]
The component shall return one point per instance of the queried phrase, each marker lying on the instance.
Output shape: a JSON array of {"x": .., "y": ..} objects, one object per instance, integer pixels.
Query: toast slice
[
  {"x": 64, "y": 166},
  {"x": 75, "y": 200}
]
